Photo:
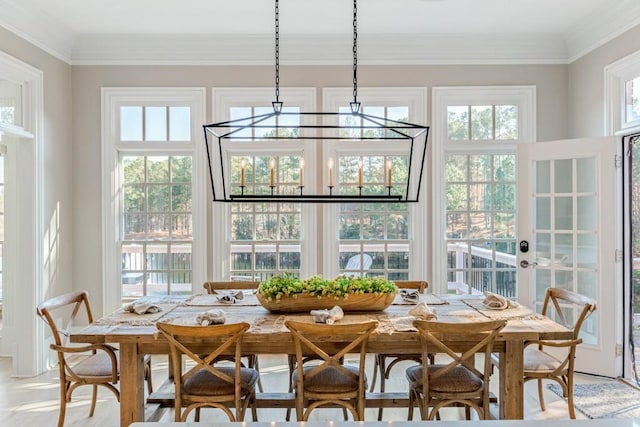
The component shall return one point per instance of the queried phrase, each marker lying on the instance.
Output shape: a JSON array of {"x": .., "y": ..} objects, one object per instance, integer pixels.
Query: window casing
[{"x": 155, "y": 206}]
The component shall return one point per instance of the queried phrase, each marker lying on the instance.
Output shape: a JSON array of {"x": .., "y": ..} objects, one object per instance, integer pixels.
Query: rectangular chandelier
[{"x": 366, "y": 132}]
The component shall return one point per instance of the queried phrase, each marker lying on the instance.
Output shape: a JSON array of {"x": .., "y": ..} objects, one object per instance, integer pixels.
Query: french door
[{"x": 567, "y": 213}]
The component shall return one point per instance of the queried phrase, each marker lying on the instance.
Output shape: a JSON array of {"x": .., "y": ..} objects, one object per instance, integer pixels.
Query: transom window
[
  {"x": 632, "y": 99},
  {"x": 482, "y": 122},
  {"x": 10, "y": 103}
]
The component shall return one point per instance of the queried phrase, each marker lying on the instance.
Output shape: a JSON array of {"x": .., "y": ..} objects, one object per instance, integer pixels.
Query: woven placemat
[{"x": 520, "y": 312}]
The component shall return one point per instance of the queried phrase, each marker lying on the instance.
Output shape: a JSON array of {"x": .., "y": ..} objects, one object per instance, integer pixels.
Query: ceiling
[{"x": 194, "y": 31}]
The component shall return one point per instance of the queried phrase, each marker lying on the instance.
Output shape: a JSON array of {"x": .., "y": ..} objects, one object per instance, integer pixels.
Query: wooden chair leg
[
  {"x": 376, "y": 368},
  {"x": 253, "y": 363},
  {"x": 572, "y": 409},
  {"x": 94, "y": 399},
  {"x": 541, "y": 396},
  {"x": 411, "y": 405},
  {"x": 147, "y": 376},
  {"x": 63, "y": 404}
]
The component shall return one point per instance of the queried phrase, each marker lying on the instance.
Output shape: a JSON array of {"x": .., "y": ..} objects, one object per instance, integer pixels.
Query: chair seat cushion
[
  {"x": 330, "y": 380},
  {"x": 97, "y": 365},
  {"x": 204, "y": 383},
  {"x": 539, "y": 361},
  {"x": 458, "y": 380}
]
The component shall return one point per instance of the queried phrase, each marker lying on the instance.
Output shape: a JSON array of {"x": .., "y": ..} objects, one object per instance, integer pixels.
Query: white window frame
[
  {"x": 615, "y": 76},
  {"x": 442, "y": 97},
  {"x": 112, "y": 99},
  {"x": 416, "y": 99},
  {"x": 223, "y": 99}
]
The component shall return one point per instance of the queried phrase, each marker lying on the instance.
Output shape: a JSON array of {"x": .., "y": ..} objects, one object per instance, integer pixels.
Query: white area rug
[{"x": 605, "y": 400}]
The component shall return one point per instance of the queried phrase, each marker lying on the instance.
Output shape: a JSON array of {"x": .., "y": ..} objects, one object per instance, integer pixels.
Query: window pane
[
  {"x": 131, "y": 123},
  {"x": 632, "y": 99},
  {"x": 506, "y": 122},
  {"x": 458, "y": 122},
  {"x": 10, "y": 103},
  {"x": 179, "y": 123},
  {"x": 155, "y": 123},
  {"x": 158, "y": 169},
  {"x": 481, "y": 122}
]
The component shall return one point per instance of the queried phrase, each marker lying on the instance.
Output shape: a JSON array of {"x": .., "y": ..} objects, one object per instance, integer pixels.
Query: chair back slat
[
  {"x": 419, "y": 285},
  {"x": 211, "y": 287}
]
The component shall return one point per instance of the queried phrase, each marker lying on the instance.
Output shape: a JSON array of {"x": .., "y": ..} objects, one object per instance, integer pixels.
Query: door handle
[{"x": 525, "y": 264}]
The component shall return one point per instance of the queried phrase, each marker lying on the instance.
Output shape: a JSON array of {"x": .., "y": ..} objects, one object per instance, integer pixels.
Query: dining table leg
[
  {"x": 511, "y": 399},
  {"x": 131, "y": 384}
]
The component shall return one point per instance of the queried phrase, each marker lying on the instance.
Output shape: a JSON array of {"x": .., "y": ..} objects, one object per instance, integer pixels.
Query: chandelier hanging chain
[
  {"x": 355, "y": 105},
  {"x": 277, "y": 51}
]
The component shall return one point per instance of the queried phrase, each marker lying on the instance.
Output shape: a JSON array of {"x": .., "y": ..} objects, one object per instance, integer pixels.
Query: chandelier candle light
[{"x": 400, "y": 139}]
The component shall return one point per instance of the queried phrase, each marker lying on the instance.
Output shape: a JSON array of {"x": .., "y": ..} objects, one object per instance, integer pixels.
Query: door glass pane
[
  {"x": 543, "y": 213},
  {"x": 563, "y": 172},
  {"x": 563, "y": 213},
  {"x": 587, "y": 251},
  {"x": 586, "y": 175},
  {"x": 566, "y": 250},
  {"x": 587, "y": 213},
  {"x": 543, "y": 177}
]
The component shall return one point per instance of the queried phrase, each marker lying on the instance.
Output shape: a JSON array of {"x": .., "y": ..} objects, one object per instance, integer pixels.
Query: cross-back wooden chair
[
  {"x": 98, "y": 369},
  {"x": 457, "y": 381},
  {"x": 554, "y": 359},
  {"x": 381, "y": 366},
  {"x": 206, "y": 385},
  {"x": 329, "y": 382},
  {"x": 213, "y": 288}
]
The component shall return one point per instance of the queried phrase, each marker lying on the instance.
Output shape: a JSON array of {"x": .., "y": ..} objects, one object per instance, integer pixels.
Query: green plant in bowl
[{"x": 287, "y": 284}]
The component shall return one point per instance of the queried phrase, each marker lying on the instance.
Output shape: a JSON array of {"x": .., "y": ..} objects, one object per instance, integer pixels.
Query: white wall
[{"x": 586, "y": 84}]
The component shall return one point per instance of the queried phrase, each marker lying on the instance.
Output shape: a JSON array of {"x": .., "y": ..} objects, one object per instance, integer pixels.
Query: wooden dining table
[{"x": 136, "y": 336}]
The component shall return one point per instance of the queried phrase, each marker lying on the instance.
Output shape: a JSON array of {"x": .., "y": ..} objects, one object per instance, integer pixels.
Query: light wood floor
[{"x": 33, "y": 402}]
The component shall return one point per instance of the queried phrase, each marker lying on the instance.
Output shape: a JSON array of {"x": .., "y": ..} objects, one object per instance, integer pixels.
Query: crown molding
[
  {"x": 319, "y": 49},
  {"x": 37, "y": 28},
  {"x": 601, "y": 26}
]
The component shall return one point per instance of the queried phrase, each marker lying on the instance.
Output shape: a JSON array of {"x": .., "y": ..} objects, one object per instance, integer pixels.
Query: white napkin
[
  {"x": 411, "y": 296},
  {"x": 423, "y": 311},
  {"x": 142, "y": 307},
  {"x": 327, "y": 316},
  {"x": 211, "y": 317},
  {"x": 498, "y": 302},
  {"x": 230, "y": 297}
]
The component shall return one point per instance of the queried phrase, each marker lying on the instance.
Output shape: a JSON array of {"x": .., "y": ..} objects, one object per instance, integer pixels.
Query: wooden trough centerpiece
[{"x": 286, "y": 293}]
